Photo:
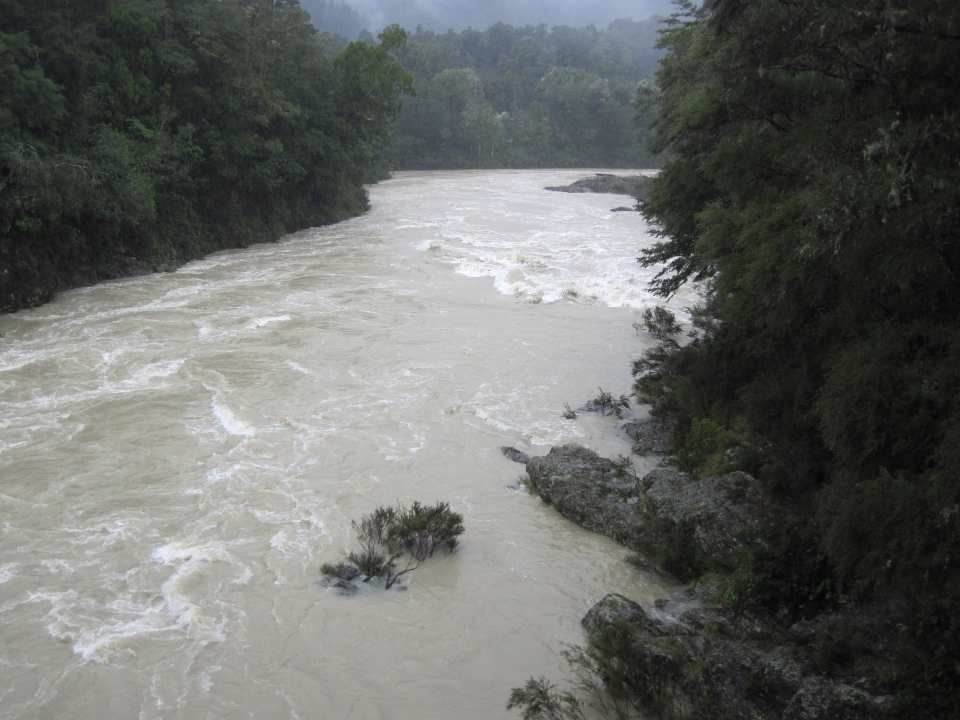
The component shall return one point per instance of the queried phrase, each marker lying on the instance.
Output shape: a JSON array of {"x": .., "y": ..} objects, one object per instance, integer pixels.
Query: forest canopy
[
  {"x": 526, "y": 97},
  {"x": 813, "y": 188},
  {"x": 138, "y": 134}
]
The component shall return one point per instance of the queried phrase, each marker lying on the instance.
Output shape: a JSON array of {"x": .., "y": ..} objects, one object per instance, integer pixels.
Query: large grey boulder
[
  {"x": 588, "y": 489},
  {"x": 712, "y": 514},
  {"x": 633, "y": 185}
]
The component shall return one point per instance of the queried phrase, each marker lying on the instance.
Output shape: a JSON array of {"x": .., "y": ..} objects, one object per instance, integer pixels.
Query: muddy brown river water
[{"x": 179, "y": 453}]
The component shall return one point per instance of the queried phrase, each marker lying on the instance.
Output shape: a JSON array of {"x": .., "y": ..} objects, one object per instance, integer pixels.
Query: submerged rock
[
  {"x": 516, "y": 455},
  {"x": 633, "y": 185},
  {"x": 343, "y": 576}
]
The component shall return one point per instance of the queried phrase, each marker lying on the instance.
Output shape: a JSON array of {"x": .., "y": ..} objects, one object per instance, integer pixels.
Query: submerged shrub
[
  {"x": 606, "y": 404},
  {"x": 661, "y": 323},
  {"x": 389, "y": 534}
]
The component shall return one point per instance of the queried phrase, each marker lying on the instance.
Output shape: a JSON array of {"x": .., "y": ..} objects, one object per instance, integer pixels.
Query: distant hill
[{"x": 440, "y": 15}]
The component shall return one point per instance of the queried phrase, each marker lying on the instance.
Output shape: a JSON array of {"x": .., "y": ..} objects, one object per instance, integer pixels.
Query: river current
[{"x": 179, "y": 453}]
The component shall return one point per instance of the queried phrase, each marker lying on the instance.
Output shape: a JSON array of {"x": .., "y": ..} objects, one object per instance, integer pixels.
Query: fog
[{"x": 439, "y": 15}]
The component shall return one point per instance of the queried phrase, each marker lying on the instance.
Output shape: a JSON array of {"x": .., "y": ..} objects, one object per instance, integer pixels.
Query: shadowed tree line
[
  {"x": 138, "y": 134},
  {"x": 813, "y": 187}
]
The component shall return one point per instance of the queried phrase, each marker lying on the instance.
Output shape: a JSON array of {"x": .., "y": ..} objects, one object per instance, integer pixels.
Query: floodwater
[{"x": 179, "y": 453}]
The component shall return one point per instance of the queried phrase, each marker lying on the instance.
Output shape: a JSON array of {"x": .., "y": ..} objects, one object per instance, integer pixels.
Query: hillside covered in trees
[
  {"x": 138, "y": 134},
  {"x": 526, "y": 97},
  {"x": 813, "y": 187},
  {"x": 443, "y": 15}
]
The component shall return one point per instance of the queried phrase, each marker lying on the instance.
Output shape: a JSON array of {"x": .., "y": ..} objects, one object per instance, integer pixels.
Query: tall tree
[{"x": 813, "y": 185}]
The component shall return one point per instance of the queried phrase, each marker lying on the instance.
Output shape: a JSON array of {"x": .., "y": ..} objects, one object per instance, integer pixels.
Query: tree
[
  {"x": 143, "y": 133},
  {"x": 812, "y": 185}
]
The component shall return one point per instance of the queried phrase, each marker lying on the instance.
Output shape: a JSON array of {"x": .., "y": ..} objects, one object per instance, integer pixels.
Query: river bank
[{"x": 699, "y": 652}]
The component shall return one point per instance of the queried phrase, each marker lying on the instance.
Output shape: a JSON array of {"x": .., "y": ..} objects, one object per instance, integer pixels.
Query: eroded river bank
[{"x": 179, "y": 453}]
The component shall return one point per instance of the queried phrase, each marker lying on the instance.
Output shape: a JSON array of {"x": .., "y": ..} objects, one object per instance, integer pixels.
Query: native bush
[
  {"x": 661, "y": 323},
  {"x": 392, "y": 536},
  {"x": 538, "y": 700}
]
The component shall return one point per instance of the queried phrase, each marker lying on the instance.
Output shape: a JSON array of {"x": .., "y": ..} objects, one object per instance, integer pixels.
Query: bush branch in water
[
  {"x": 607, "y": 404},
  {"x": 391, "y": 534}
]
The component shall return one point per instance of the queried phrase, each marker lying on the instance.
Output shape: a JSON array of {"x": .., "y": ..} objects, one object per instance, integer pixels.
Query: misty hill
[
  {"x": 526, "y": 97},
  {"x": 441, "y": 15}
]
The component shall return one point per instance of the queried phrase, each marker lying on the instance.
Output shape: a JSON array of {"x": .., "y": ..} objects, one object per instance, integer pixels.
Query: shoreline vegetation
[
  {"x": 138, "y": 135},
  {"x": 526, "y": 97},
  {"x": 809, "y": 414}
]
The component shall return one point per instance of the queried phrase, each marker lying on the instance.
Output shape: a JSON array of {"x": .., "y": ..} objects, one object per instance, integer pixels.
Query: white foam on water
[
  {"x": 230, "y": 422},
  {"x": 297, "y": 366},
  {"x": 8, "y": 571},
  {"x": 192, "y": 613},
  {"x": 174, "y": 476},
  {"x": 162, "y": 369},
  {"x": 263, "y": 321}
]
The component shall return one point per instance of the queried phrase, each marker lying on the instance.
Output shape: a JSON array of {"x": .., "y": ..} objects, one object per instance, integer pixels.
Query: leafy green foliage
[
  {"x": 526, "y": 97},
  {"x": 143, "y": 133},
  {"x": 813, "y": 186},
  {"x": 704, "y": 439},
  {"x": 661, "y": 323},
  {"x": 616, "y": 673},
  {"x": 339, "y": 570},
  {"x": 371, "y": 563}
]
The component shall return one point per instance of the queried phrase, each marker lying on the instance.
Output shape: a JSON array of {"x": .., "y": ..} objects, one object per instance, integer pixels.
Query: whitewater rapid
[{"x": 179, "y": 453}]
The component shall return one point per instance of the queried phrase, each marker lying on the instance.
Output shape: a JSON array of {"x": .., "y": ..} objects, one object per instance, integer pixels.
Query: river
[{"x": 180, "y": 452}]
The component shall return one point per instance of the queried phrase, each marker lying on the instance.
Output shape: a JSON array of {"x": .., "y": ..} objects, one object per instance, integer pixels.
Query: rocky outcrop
[
  {"x": 686, "y": 654},
  {"x": 711, "y": 514},
  {"x": 591, "y": 490},
  {"x": 609, "y": 498},
  {"x": 689, "y": 655},
  {"x": 650, "y": 437},
  {"x": 633, "y": 185}
]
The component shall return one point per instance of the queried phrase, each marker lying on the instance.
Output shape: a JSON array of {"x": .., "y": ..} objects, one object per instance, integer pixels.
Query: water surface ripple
[{"x": 179, "y": 453}]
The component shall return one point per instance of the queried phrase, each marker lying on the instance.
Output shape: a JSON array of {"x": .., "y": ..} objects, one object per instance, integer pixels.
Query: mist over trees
[
  {"x": 349, "y": 19},
  {"x": 338, "y": 18},
  {"x": 526, "y": 97}
]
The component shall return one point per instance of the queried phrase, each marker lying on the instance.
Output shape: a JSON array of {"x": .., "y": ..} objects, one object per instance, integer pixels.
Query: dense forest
[
  {"x": 137, "y": 134},
  {"x": 813, "y": 188},
  {"x": 526, "y": 97}
]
